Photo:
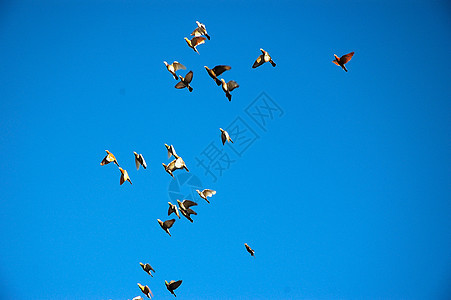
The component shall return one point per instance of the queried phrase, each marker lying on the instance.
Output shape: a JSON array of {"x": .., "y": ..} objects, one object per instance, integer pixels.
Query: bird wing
[
  {"x": 170, "y": 209},
  {"x": 220, "y": 69},
  {"x": 143, "y": 162},
  {"x": 197, "y": 40},
  {"x": 223, "y": 138},
  {"x": 231, "y": 85},
  {"x": 258, "y": 62},
  {"x": 178, "y": 66},
  {"x": 347, "y": 57},
  {"x": 188, "y": 203},
  {"x": 208, "y": 192},
  {"x": 175, "y": 284},
  {"x": 335, "y": 62},
  {"x": 168, "y": 223},
  {"x": 191, "y": 212},
  {"x": 180, "y": 85},
  {"x": 122, "y": 179},
  {"x": 189, "y": 77},
  {"x": 137, "y": 163}
]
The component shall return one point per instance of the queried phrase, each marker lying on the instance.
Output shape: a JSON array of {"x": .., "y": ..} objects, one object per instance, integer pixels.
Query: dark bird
[
  {"x": 194, "y": 42},
  {"x": 185, "y": 82},
  {"x": 147, "y": 268},
  {"x": 225, "y": 137},
  {"x": 341, "y": 61},
  {"x": 172, "y": 68},
  {"x": 108, "y": 158},
  {"x": 228, "y": 87},
  {"x": 172, "y": 285},
  {"x": 249, "y": 249},
  {"x": 139, "y": 161},
  {"x": 216, "y": 71},
  {"x": 173, "y": 209},
  {"x": 166, "y": 225},
  {"x": 124, "y": 176},
  {"x": 146, "y": 291},
  {"x": 186, "y": 210},
  {"x": 264, "y": 57},
  {"x": 200, "y": 30}
]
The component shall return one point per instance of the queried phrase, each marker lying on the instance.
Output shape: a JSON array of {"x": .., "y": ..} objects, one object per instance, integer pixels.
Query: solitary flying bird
[
  {"x": 109, "y": 158},
  {"x": 124, "y": 176},
  {"x": 341, "y": 61},
  {"x": 139, "y": 160},
  {"x": 194, "y": 42},
  {"x": 200, "y": 30},
  {"x": 172, "y": 68},
  {"x": 264, "y": 57},
  {"x": 225, "y": 137},
  {"x": 228, "y": 87},
  {"x": 249, "y": 249},
  {"x": 147, "y": 268},
  {"x": 172, "y": 285},
  {"x": 185, "y": 82},
  {"x": 146, "y": 291},
  {"x": 171, "y": 151},
  {"x": 166, "y": 225},
  {"x": 206, "y": 193},
  {"x": 216, "y": 71}
]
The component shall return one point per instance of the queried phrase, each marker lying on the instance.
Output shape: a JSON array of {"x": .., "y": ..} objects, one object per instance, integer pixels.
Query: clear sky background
[{"x": 344, "y": 193}]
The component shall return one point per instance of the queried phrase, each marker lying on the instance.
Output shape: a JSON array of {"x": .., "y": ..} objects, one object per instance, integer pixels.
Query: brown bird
[
  {"x": 147, "y": 268},
  {"x": 171, "y": 151},
  {"x": 195, "y": 41},
  {"x": 185, "y": 82},
  {"x": 109, "y": 158},
  {"x": 341, "y": 61},
  {"x": 206, "y": 193},
  {"x": 249, "y": 249},
  {"x": 170, "y": 167},
  {"x": 264, "y": 57},
  {"x": 146, "y": 291},
  {"x": 216, "y": 71},
  {"x": 172, "y": 285},
  {"x": 200, "y": 30},
  {"x": 173, "y": 209},
  {"x": 186, "y": 210},
  {"x": 124, "y": 176},
  {"x": 172, "y": 68},
  {"x": 228, "y": 87},
  {"x": 166, "y": 225},
  {"x": 139, "y": 161},
  {"x": 225, "y": 137}
]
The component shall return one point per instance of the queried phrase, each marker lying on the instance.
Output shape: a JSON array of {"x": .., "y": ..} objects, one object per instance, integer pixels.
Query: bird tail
[
  {"x": 190, "y": 88},
  {"x": 272, "y": 63},
  {"x": 218, "y": 82},
  {"x": 208, "y": 37},
  {"x": 344, "y": 68},
  {"x": 229, "y": 96}
]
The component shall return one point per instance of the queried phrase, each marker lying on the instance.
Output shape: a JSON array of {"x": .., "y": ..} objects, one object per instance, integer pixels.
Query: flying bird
[
  {"x": 109, "y": 158},
  {"x": 264, "y": 57},
  {"x": 206, "y": 193},
  {"x": 228, "y": 87},
  {"x": 194, "y": 42},
  {"x": 225, "y": 137},
  {"x": 173, "y": 209},
  {"x": 146, "y": 291},
  {"x": 171, "y": 151},
  {"x": 186, "y": 210},
  {"x": 124, "y": 176},
  {"x": 170, "y": 167},
  {"x": 180, "y": 164},
  {"x": 172, "y": 68},
  {"x": 166, "y": 225},
  {"x": 139, "y": 161},
  {"x": 216, "y": 71},
  {"x": 341, "y": 61},
  {"x": 185, "y": 82},
  {"x": 147, "y": 268},
  {"x": 200, "y": 30},
  {"x": 172, "y": 285},
  {"x": 249, "y": 249}
]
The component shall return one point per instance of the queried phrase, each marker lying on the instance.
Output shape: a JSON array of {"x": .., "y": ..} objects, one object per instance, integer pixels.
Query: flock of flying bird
[{"x": 184, "y": 207}]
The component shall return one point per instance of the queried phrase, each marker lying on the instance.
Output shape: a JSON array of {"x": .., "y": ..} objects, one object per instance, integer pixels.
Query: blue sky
[{"x": 344, "y": 192}]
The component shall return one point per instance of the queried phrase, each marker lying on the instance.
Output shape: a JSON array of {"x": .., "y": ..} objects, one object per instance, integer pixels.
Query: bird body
[
  {"x": 108, "y": 158},
  {"x": 249, "y": 249},
  {"x": 264, "y": 57},
  {"x": 200, "y": 30},
  {"x": 124, "y": 176},
  {"x": 172, "y": 68},
  {"x": 206, "y": 193},
  {"x": 216, "y": 71},
  {"x": 194, "y": 42},
  {"x": 341, "y": 61},
  {"x": 185, "y": 82},
  {"x": 172, "y": 285},
  {"x": 139, "y": 161},
  {"x": 228, "y": 87},
  {"x": 166, "y": 225},
  {"x": 225, "y": 137}
]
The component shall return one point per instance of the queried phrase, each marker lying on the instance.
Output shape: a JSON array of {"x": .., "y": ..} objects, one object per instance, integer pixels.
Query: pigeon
[
  {"x": 109, "y": 158},
  {"x": 147, "y": 268},
  {"x": 170, "y": 167},
  {"x": 172, "y": 285},
  {"x": 173, "y": 209},
  {"x": 228, "y": 87},
  {"x": 194, "y": 42},
  {"x": 200, "y": 30},
  {"x": 146, "y": 291},
  {"x": 249, "y": 249},
  {"x": 186, "y": 210},
  {"x": 172, "y": 68},
  {"x": 185, "y": 82},
  {"x": 139, "y": 161},
  {"x": 166, "y": 225},
  {"x": 225, "y": 136},
  {"x": 206, "y": 193},
  {"x": 264, "y": 57},
  {"x": 171, "y": 151},
  {"x": 341, "y": 61},
  {"x": 124, "y": 176},
  {"x": 216, "y": 71}
]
